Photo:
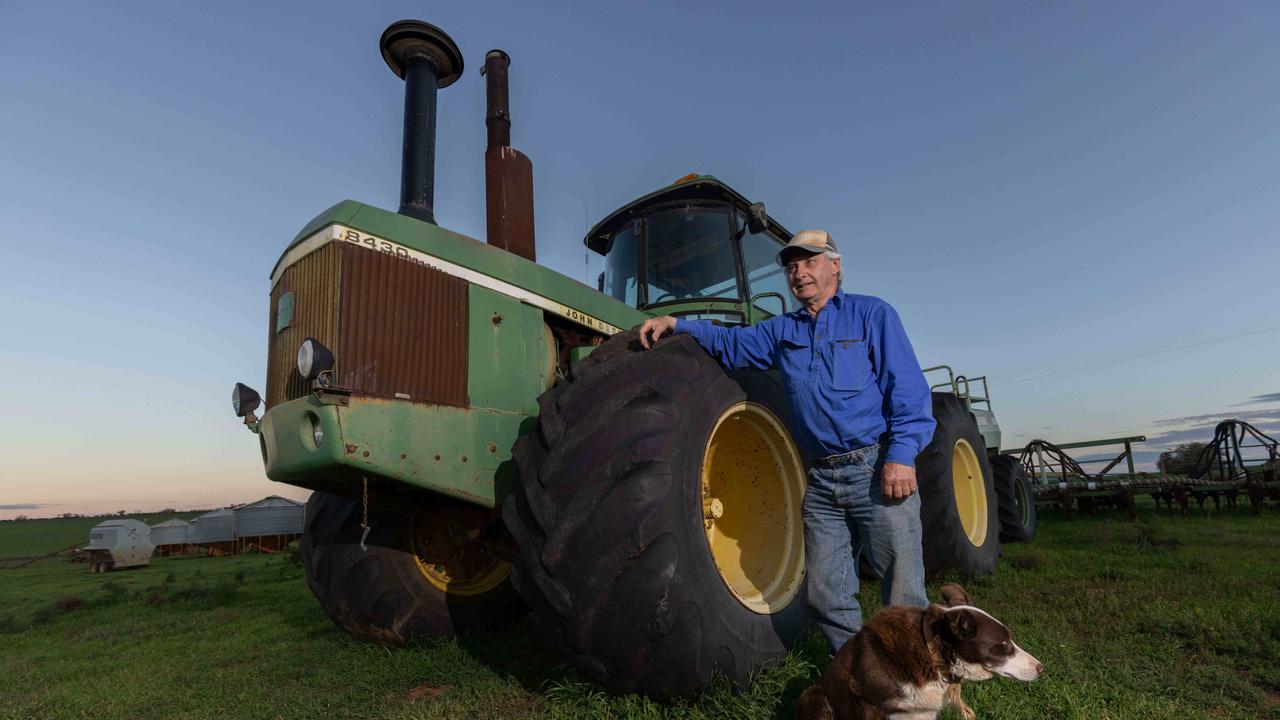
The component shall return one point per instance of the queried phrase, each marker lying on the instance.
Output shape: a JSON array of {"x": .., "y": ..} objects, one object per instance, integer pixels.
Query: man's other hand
[
  {"x": 657, "y": 327},
  {"x": 897, "y": 481}
]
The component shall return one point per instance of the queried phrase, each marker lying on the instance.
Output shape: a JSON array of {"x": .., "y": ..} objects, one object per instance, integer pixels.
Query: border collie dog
[{"x": 907, "y": 663}]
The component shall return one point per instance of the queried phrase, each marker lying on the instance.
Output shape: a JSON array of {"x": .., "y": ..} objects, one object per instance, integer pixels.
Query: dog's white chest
[{"x": 920, "y": 703}]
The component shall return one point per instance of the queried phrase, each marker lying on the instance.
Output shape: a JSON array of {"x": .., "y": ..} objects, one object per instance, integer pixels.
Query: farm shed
[
  {"x": 171, "y": 536},
  {"x": 116, "y": 544},
  {"x": 269, "y": 524},
  {"x": 217, "y": 526}
]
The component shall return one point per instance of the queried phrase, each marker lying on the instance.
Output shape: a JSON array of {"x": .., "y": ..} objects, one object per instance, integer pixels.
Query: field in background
[
  {"x": 1160, "y": 618},
  {"x": 31, "y": 538}
]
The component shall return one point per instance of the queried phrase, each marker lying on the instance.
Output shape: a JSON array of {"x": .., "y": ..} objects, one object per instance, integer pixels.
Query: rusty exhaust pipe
[
  {"x": 508, "y": 174},
  {"x": 427, "y": 59}
]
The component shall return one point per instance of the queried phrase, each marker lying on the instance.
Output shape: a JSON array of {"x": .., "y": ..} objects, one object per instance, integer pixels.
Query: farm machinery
[
  {"x": 482, "y": 435},
  {"x": 1240, "y": 461}
]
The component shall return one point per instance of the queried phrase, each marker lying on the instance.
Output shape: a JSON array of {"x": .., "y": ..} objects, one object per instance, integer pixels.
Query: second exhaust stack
[{"x": 508, "y": 174}]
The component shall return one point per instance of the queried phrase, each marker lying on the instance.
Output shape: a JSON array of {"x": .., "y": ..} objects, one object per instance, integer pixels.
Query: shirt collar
[{"x": 837, "y": 300}]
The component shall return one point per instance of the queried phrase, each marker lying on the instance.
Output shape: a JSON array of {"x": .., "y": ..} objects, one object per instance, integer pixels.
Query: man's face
[{"x": 811, "y": 276}]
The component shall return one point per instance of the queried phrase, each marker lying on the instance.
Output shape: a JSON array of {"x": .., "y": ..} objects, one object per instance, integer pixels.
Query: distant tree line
[{"x": 1181, "y": 459}]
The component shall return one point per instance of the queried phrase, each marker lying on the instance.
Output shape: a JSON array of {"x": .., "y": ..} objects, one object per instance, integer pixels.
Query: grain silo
[
  {"x": 172, "y": 536},
  {"x": 119, "y": 543},
  {"x": 269, "y": 524},
  {"x": 215, "y": 530}
]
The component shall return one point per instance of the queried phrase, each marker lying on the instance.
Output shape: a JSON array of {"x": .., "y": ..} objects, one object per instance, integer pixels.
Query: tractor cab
[{"x": 697, "y": 249}]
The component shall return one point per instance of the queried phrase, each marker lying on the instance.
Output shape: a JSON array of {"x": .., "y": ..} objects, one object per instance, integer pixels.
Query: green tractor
[{"x": 482, "y": 435}]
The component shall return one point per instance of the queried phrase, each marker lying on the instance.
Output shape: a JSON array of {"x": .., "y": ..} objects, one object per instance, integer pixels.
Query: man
[{"x": 861, "y": 407}]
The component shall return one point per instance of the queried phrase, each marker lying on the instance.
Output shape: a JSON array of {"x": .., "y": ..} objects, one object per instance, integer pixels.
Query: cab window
[
  {"x": 688, "y": 255},
  {"x": 620, "y": 267},
  {"x": 764, "y": 274}
]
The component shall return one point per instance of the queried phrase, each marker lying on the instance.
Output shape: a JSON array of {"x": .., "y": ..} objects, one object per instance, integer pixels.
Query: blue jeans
[{"x": 845, "y": 514}]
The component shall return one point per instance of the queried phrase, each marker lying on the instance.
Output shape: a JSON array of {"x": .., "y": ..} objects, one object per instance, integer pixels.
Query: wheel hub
[{"x": 449, "y": 551}]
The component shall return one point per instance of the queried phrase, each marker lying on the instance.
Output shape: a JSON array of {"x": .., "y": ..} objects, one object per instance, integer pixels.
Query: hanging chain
[{"x": 364, "y": 518}]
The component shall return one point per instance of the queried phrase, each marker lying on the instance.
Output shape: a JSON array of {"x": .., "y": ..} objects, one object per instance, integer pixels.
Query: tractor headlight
[
  {"x": 313, "y": 359},
  {"x": 244, "y": 400}
]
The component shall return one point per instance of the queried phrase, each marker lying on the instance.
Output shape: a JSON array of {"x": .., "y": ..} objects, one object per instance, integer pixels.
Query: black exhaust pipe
[{"x": 427, "y": 59}]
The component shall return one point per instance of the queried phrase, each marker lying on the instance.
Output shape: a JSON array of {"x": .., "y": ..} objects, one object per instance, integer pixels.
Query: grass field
[
  {"x": 31, "y": 538},
  {"x": 1160, "y": 618}
]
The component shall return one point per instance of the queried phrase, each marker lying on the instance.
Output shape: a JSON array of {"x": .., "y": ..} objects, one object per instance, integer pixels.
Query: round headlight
[
  {"x": 317, "y": 432},
  {"x": 313, "y": 359}
]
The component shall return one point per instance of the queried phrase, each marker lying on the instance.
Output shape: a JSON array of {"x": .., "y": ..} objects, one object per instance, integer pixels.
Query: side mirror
[
  {"x": 757, "y": 221},
  {"x": 600, "y": 282}
]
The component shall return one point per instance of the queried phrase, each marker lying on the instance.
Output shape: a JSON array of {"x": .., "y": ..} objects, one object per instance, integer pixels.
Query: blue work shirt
[{"x": 852, "y": 378}]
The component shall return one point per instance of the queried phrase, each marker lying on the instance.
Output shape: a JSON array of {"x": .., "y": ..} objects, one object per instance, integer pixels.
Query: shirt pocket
[
  {"x": 848, "y": 365},
  {"x": 792, "y": 358}
]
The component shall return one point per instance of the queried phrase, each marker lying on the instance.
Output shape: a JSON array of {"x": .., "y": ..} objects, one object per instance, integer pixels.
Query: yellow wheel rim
[
  {"x": 752, "y": 485},
  {"x": 476, "y": 582},
  {"x": 970, "y": 491},
  {"x": 470, "y": 570}
]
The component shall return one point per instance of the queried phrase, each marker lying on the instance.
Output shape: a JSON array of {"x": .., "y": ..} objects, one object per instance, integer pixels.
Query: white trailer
[{"x": 117, "y": 544}]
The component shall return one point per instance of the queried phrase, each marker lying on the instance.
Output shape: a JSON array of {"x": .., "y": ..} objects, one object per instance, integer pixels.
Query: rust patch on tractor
[
  {"x": 313, "y": 283},
  {"x": 402, "y": 329}
]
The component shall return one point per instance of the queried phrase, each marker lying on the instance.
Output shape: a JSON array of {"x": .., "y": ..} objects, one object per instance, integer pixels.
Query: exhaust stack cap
[{"x": 406, "y": 38}]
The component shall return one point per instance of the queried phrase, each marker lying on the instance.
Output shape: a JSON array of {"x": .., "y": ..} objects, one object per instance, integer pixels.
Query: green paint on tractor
[{"x": 456, "y": 452}]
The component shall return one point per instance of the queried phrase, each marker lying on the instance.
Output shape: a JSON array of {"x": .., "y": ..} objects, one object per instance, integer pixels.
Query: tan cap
[{"x": 811, "y": 241}]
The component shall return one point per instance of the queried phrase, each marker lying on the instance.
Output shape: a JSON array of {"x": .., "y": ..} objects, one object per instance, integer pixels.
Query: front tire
[
  {"x": 387, "y": 593},
  {"x": 958, "y": 508},
  {"x": 658, "y": 520}
]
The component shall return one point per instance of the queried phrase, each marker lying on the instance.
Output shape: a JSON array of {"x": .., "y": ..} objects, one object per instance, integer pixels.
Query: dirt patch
[{"x": 428, "y": 691}]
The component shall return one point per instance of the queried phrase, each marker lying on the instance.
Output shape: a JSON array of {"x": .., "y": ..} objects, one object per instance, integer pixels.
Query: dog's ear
[
  {"x": 961, "y": 624},
  {"x": 953, "y": 595}
]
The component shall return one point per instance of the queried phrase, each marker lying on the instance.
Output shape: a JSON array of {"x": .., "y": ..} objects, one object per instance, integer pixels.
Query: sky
[{"x": 1075, "y": 200}]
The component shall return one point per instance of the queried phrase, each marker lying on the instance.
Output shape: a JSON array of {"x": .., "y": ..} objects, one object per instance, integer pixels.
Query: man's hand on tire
[
  {"x": 657, "y": 327},
  {"x": 897, "y": 481}
]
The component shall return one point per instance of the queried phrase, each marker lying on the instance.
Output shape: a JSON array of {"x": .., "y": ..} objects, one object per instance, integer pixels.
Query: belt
[{"x": 834, "y": 461}]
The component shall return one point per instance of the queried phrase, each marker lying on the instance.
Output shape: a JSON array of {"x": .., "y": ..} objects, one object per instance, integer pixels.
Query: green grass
[
  {"x": 31, "y": 538},
  {"x": 1162, "y": 618}
]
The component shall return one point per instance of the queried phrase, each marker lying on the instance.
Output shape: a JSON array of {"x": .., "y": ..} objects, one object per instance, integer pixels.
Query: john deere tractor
[{"x": 482, "y": 434}]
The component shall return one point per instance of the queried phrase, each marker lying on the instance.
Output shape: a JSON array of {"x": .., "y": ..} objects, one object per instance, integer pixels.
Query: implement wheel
[
  {"x": 1017, "y": 502},
  {"x": 402, "y": 585},
  {"x": 958, "y": 499},
  {"x": 658, "y": 520}
]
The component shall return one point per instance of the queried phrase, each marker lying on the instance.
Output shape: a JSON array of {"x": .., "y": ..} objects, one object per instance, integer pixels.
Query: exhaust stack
[
  {"x": 427, "y": 59},
  {"x": 508, "y": 174}
]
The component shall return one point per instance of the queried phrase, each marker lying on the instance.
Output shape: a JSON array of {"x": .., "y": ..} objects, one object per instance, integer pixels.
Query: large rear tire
[
  {"x": 387, "y": 593},
  {"x": 658, "y": 520},
  {"x": 1017, "y": 502},
  {"x": 958, "y": 508}
]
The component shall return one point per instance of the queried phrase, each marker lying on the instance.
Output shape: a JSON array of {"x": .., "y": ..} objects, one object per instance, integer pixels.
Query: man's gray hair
[{"x": 831, "y": 255}]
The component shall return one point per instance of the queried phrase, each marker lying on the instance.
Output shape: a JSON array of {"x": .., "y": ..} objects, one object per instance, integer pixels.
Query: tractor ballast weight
[{"x": 480, "y": 430}]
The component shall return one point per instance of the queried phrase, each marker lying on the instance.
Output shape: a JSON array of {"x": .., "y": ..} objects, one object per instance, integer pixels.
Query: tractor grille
[{"x": 397, "y": 329}]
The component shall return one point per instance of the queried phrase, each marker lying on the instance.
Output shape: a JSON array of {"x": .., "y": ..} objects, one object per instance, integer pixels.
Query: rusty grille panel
[
  {"x": 403, "y": 329},
  {"x": 313, "y": 280}
]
